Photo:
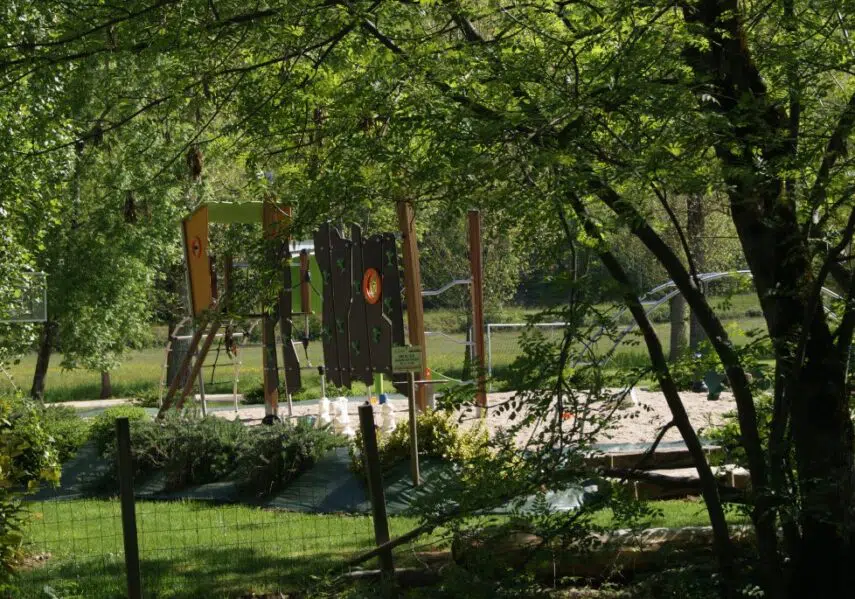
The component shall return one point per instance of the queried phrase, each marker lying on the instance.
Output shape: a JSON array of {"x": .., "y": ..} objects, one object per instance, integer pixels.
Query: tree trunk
[
  {"x": 695, "y": 224},
  {"x": 46, "y": 346},
  {"x": 678, "y": 328},
  {"x": 823, "y": 439},
  {"x": 106, "y": 385},
  {"x": 721, "y": 538}
]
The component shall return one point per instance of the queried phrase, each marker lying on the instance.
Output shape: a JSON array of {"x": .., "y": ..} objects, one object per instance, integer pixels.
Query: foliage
[
  {"x": 728, "y": 435},
  {"x": 68, "y": 430},
  {"x": 187, "y": 449},
  {"x": 202, "y": 450},
  {"x": 585, "y": 123},
  {"x": 272, "y": 456},
  {"x": 190, "y": 450},
  {"x": 27, "y": 457},
  {"x": 103, "y": 427},
  {"x": 36, "y": 453},
  {"x": 438, "y": 436},
  {"x": 254, "y": 396}
]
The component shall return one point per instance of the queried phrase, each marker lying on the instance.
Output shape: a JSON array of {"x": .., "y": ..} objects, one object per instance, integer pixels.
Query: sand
[{"x": 633, "y": 425}]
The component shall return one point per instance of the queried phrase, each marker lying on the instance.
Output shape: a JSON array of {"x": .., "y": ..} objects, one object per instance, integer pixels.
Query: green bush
[
  {"x": 438, "y": 435},
  {"x": 254, "y": 396},
  {"x": 103, "y": 427},
  {"x": 202, "y": 450},
  {"x": 194, "y": 451},
  {"x": 27, "y": 456},
  {"x": 68, "y": 429},
  {"x": 271, "y": 456},
  {"x": 36, "y": 455},
  {"x": 189, "y": 450}
]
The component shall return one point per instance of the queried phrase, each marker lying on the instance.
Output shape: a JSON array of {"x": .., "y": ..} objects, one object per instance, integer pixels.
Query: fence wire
[
  {"x": 73, "y": 544},
  {"x": 214, "y": 540}
]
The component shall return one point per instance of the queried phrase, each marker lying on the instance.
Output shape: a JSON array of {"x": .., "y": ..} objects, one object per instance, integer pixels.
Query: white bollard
[
  {"x": 324, "y": 418},
  {"x": 634, "y": 396},
  {"x": 343, "y": 418},
  {"x": 388, "y": 423}
]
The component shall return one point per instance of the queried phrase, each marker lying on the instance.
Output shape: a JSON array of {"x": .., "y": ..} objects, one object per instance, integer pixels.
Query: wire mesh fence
[
  {"x": 73, "y": 538},
  {"x": 217, "y": 539},
  {"x": 504, "y": 343}
]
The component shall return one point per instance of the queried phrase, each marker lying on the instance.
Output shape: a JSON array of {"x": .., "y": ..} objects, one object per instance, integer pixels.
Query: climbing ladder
[{"x": 210, "y": 321}]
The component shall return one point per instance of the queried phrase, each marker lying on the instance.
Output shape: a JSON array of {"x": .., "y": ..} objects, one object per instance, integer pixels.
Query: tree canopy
[{"x": 582, "y": 122}]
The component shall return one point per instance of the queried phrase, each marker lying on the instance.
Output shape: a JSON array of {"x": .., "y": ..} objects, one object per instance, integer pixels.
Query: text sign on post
[{"x": 406, "y": 358}]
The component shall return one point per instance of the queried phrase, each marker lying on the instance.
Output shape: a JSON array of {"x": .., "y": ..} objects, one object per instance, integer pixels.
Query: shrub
[
  {"x": 36, "y": 457},
  {"x": 438, "y": 436},
  {"x": 254, "y": 395},
  {"x": 103, "y": 427},
  {"x": 271, "y": 456},
  {"x": 202, "y": 450},
  {"x": 190, "y": 450},
  {"x": 68, "y": 430},
  {"x": 26, "y": 456}
]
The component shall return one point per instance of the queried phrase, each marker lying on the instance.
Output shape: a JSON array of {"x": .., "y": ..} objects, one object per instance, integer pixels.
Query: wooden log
[
  {"x": 413, "y": 290},
  {"x": 596, "y": 557},
  {"x": 663, "y": 459}
]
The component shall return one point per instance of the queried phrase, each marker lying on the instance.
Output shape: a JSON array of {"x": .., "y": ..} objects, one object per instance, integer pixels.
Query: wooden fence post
[
  {"x": 375, "y": 484},
  {"x": 129, "y": 518}
]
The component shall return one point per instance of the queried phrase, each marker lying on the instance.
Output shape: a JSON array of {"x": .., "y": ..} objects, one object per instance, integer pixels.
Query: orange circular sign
[{"x": 371, "y": 286}]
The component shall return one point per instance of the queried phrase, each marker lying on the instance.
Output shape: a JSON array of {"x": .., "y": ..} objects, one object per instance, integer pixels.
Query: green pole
[{"x": 378, "y": 384}]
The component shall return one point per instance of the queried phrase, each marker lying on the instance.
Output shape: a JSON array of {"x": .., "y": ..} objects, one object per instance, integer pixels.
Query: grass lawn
[
  {"x": 190, "y": 549},
  {"x": 139, "y": 375}
]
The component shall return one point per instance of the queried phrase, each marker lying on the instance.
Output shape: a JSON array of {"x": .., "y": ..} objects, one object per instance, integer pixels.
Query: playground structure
[
  {"x": 362, "y": 282},
  {"x": 208, "y": 308}
]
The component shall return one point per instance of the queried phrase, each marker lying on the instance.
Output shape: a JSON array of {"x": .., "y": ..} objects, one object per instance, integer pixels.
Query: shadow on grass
[{"x": 187, "y": 574}]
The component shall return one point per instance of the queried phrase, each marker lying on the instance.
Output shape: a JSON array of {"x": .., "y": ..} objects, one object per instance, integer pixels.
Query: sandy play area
[{"x": 632, "y": 425}]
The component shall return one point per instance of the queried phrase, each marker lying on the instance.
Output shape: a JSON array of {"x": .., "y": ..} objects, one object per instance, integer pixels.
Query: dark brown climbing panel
[
  {"x": 379, "y": 330},
  {"x": 293, "y": 380},
  {"x": 360, "y": 358},
  {"x": 362, "y": 310}
]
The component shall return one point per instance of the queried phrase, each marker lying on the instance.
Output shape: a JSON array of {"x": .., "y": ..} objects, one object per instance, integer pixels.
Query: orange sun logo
[{"x": 371, "y": 286}]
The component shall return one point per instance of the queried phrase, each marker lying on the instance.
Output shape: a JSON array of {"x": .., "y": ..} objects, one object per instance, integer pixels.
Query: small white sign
[{"x": 406, "y": 358}]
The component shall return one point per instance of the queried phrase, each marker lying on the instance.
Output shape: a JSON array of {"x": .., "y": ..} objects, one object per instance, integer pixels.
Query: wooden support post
[
  {"x": 305, "y": 299},
  {"x": 414, "y": 436},
  {"x": 375, "y": 484},
  {"x": 129, "y": 517},
  {"x": 477, "y": 288},
  {"x": 275, "y": 221},
  {"x": 185, "y": 364},
  {"x": 197, "y": 366},
  {"x": 413, "y": 291},
  {"x": 269, "y": 366}
]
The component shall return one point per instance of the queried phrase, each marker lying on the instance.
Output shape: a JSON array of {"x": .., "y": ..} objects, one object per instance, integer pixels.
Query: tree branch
[
  {"x": 100, "y": 27},
  {"x": 707, "y": 482},
  {"x": 834, "y": 149},
  {"x": 708, "y": 319},
  {"x": 815, "y": 298}
]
